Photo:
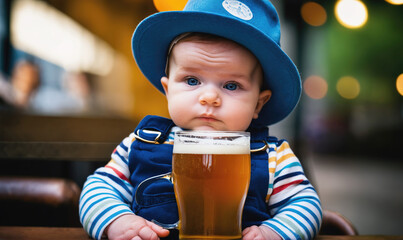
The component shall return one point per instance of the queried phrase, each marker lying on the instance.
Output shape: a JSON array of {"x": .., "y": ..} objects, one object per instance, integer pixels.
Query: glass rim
[{"x": 213, "y": 133}]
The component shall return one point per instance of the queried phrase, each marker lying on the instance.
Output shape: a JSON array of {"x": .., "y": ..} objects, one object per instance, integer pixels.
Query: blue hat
[{"x": 251, "y": 23}]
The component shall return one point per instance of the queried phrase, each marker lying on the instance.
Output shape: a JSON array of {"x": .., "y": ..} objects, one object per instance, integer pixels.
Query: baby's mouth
[{"x": 208, "y": 118}]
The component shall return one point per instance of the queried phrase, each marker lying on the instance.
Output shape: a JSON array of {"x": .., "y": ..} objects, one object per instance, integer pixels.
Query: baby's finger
[
  {"x": 249, "y": 233},
  {"x": 146, "y": 233},
  {"x": 247, "y": 236},
  {"x": 161, "y": 232},
  {"x": 246, "y": 230}
]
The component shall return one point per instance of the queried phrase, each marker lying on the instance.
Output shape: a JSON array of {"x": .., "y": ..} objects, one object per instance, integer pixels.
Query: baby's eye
[
  {"x": 192, "y": 81},
  {"x": 231, "y": 86}
]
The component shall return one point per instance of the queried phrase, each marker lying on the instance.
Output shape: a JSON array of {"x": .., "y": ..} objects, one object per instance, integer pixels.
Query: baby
[{"x": 221, "y": 68}]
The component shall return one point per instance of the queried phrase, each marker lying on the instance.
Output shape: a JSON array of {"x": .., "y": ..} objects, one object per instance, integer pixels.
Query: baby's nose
[{"x": 210, "y": 97}]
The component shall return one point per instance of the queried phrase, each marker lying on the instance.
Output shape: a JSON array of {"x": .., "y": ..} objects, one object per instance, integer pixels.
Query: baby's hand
[
  {"x": 132, "y": 227},
  {"x": 259, "y": 233}
]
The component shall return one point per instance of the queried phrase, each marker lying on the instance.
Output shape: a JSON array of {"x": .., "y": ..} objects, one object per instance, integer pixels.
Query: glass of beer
[{"x": 211, "y": 173}]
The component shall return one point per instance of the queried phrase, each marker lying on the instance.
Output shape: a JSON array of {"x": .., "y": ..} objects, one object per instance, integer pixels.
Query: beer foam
[{"x": 211, "y": 149}]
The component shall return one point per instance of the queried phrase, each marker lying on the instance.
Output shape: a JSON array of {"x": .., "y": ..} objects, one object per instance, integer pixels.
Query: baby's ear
[
  {"x": 164, "y": 83},
  {"x": 264, "y": 97}
]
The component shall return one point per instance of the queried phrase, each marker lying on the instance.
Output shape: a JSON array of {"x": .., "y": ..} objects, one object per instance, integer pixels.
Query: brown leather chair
[
  {"x": 334, "y": 223},
  {"x": 26, "y": 201}
]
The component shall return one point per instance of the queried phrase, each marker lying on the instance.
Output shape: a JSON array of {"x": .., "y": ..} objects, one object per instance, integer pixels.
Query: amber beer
[{"x": 211, "y": 172}]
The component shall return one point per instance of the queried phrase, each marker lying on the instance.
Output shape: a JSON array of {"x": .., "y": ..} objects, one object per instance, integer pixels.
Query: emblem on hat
[{"x": 237, "y": 9}]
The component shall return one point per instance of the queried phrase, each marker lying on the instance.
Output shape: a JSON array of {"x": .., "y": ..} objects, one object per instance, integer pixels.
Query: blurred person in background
[
  {"x": 18, "y": 92},
  {"x": 70, "y": 94},
  {"x": 78, "y": 92}
]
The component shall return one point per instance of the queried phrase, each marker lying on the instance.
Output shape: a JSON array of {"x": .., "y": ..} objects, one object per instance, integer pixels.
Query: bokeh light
[
  {"x": 351, "y": 13},
  {"x": 169, "y": 5},
  {"x": 399, "y": 84},
  {"x": 348, "y": 87},
  {"x": 315, "y": 87},
  {"x": 395, "y": 2},
  {"x": 41, "y": 30},
  {"x": 313, "y": 14}
]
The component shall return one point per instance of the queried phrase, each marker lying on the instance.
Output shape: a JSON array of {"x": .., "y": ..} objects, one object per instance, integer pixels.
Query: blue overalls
[{"x": 150, "y": 157}]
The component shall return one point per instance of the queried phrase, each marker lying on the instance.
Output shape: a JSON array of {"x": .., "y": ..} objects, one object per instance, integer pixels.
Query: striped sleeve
[
  {"x": 293, "y": 202},
  {"x": 107, "y": 194}
]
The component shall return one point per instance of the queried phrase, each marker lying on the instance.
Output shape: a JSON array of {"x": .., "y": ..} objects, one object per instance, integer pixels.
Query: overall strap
[
  {"x": 153, "y": 129},
  {"x": 259, "y": 137},
  {"x": 255, "y": 210},
  {"x": 148, "y": 157}
]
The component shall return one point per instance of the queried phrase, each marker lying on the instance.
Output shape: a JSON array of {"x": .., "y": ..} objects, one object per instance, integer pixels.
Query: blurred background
[{"x": 70, "y": 91}]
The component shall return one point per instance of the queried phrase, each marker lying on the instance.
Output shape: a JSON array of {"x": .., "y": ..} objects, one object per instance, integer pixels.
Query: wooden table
[
  {"x": 48, "y": 233},
  {"x": 30, "y": 137}
]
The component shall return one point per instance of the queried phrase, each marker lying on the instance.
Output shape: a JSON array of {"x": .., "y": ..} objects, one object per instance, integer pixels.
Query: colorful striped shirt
[{"x": 292, "y": 201}]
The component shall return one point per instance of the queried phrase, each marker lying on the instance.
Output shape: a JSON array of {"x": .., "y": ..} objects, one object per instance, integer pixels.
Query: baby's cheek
[
  {"x": 240, "y": 121},
  {"x": 178, "y": 114}
]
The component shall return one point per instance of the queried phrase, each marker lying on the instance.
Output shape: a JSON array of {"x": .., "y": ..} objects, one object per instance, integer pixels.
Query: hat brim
[{"x": 154, "y": 34}]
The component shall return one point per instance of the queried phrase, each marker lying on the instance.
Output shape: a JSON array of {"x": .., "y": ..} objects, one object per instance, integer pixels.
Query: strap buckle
[
  {"x": 264, "y": 148},
  {"x": 150, "y": 132}
]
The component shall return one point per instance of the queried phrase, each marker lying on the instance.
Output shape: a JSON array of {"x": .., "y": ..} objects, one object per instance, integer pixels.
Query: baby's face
[{"x": 213, "y": 86}]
